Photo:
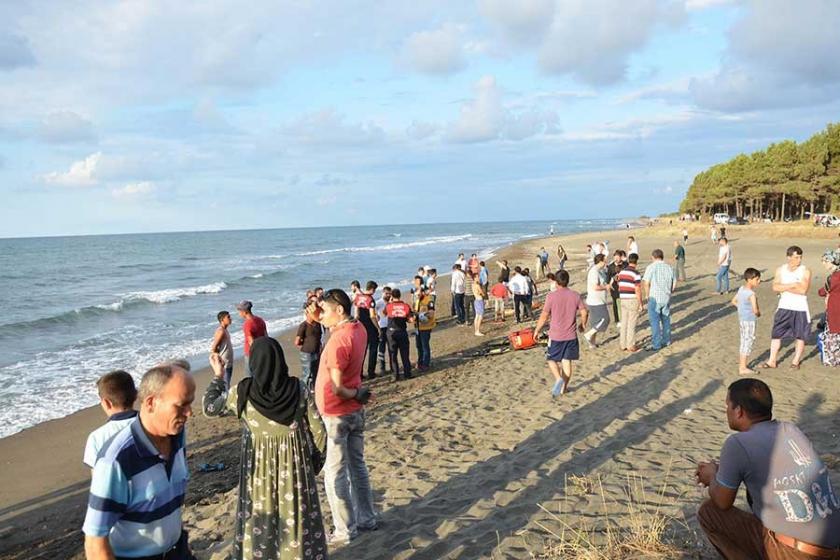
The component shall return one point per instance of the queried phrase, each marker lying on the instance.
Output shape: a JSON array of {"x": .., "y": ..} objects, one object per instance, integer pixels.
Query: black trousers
[
  {"x": 372, "y": 349},
  {"x": 181, "y": 551},
  {"x": 520, "y": 299},
  {"x": 615, "y": 306},
  {"x": 398, "y": 342},
  {"x": 383, "y": 351}
]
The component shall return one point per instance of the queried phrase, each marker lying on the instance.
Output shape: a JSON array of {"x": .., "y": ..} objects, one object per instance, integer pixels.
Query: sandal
[
  {"x": 794, "y": 366},
  {"x": 765, "y": 365}
]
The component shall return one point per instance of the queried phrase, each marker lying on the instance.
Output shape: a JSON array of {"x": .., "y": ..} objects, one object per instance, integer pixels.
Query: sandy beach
[{"x": 473, "y": 459}]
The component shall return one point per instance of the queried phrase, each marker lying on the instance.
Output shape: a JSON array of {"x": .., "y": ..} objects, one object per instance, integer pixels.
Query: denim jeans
[
  {"x": 346, "y": 475},
  {"x": 228, "y": 376},
  {"x": 309, "y": 362},
  {"x": 424, "y": 348},
  {"x": 659, "y": 315},
  {"x": 458, "y": 300},
  {"x": 722, "y": 279}
]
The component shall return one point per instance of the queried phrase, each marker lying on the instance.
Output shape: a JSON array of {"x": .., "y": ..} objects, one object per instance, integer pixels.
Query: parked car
[
  {"x": 737, "y": 221},
  {"x": 827, "y": 220},
  {"x": 721, "y": 218}
]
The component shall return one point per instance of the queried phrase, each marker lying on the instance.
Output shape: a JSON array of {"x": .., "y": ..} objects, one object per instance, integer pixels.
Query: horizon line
[{"x": 228, "y": 230}]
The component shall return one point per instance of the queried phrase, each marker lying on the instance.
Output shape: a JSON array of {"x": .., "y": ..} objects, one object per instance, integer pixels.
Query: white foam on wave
[
  {"x": 43, "y": 388},
  {"x": 116, "y": 306},
  {"x": 391, "y": 246},
  {"x": 175, "y": 294}
]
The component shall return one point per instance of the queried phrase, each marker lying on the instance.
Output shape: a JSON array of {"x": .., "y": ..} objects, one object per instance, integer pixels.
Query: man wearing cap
[{"x": 253, "y": 327}]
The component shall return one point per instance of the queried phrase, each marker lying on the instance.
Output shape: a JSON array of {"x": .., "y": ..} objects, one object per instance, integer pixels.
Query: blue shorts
[
  {"x": 560, "y": 350},
  {"x": 478, "y": 305},
  {"x": 791, "y": 324}
]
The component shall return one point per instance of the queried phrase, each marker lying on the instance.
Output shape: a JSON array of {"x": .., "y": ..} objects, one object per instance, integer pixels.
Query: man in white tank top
[{"x": 792, "y": 318}]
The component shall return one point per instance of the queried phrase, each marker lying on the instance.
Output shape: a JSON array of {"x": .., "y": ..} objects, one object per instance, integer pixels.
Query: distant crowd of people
[{"x": 293, "y": 428}]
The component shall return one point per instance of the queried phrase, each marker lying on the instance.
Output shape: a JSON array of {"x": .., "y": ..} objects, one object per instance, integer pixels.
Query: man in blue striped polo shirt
[{"x": 139, "y": 481}]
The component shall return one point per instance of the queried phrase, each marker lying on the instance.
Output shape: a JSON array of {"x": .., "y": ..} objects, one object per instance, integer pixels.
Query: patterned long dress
[{"x": 278, "y": 514}]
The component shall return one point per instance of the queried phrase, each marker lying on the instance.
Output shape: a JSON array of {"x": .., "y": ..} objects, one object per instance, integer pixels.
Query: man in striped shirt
[
  {"x": 629, "y": 283},
  {"x": 139, "y": 481}
]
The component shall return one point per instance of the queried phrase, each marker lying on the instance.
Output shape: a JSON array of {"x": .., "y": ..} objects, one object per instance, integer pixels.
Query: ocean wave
[
  {"x": 99, "y": 310},
  {"x": 390, "y": 246},
  {"x": 175, "y": 294},
  {"x": 45, "y": 388}
]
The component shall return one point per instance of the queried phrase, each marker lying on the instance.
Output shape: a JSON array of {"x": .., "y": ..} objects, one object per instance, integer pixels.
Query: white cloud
[
  {"x": 64, "y": 127},
  {"x": 522, "y": 21},
  {"x": 82, "y": 173},
  {"x": 420, "y": 130},
  {"x": 437, "y": 52},
  {"x": 487, "y": 118},
  {"x": 593, "y": 39},
  {"x": 696, "y": 5},
  {"x": 328, "y": 127},
  {"x": 675, "y": 91},
  {"x": 780, "y": 54},
  {"x": 142, "y": 189},
  {"x": 800, "y": 39}
]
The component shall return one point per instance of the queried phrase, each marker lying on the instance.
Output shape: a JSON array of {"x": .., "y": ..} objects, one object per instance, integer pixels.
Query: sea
[{"x": 76, "y": 307}]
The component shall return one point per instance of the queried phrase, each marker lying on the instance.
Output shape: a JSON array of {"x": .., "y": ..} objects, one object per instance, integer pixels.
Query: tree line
[{"x": 787, "y": 180}]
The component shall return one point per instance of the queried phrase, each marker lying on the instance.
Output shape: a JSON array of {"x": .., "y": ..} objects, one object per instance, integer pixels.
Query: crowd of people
[{"x": 294, "y": 428}]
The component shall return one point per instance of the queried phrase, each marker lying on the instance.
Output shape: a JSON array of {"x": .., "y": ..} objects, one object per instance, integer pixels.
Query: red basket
[{"x": 522, "y": 340}]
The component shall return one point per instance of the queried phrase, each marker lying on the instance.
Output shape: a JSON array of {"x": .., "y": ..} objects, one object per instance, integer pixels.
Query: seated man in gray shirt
[{"x": 795, "y": 511}]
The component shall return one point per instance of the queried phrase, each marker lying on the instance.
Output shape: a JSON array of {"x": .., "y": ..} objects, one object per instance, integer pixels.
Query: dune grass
[{"x": 641, "y": 530}]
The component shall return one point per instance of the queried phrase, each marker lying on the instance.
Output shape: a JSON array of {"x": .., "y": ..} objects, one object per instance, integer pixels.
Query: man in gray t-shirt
[{"x": 795, "y": 511}]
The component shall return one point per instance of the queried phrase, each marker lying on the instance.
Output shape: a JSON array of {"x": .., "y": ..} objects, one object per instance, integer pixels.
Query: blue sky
[{"x": 145, "y": 115}]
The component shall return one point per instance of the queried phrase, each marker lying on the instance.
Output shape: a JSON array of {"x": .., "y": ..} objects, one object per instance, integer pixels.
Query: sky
[{"x": 124, "y": 116}]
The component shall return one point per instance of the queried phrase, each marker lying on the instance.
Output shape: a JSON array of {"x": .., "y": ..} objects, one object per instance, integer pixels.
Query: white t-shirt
[
  {"x": 519, "y": 285},
  {"x": 380, "y": 313},
  {"x": 724, "y": 255},
  {"x": 593, "y": 296},
  {"x": 98, "y": 439},
  {"x": 459, "y": 282},
  {"x": 634, "y": 248}
]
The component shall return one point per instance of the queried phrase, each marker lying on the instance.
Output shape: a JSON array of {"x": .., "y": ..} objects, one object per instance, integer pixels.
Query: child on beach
[
  {"x": 117, "y": 394},
  {"x": 748, "y": 311}
]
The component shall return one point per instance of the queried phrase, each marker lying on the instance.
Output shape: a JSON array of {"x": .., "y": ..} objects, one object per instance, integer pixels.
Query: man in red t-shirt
[
  {"x": 340, "y": 398},
  {"x": 253, "y": 327},
  {"x": 500, "y": 293}
]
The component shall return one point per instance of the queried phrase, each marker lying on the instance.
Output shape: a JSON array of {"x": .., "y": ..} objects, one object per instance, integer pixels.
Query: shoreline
[{"x": 438, "y": 459}]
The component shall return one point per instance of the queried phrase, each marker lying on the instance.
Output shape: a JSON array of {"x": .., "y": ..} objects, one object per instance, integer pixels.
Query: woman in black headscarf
[{"x": 283, "y": 442}]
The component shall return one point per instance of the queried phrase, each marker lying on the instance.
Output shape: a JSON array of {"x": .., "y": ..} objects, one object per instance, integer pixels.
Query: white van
[{"x": 721, "y": 218}]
